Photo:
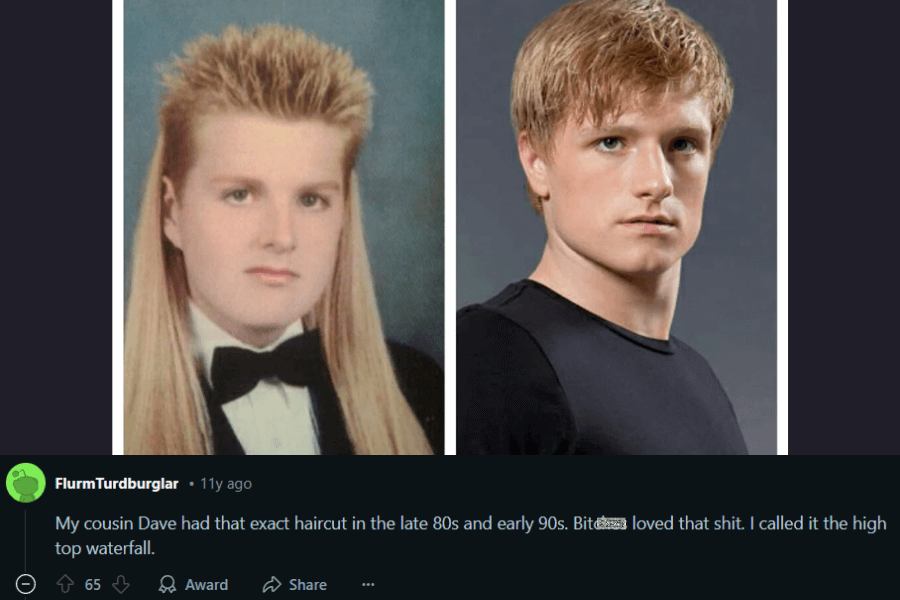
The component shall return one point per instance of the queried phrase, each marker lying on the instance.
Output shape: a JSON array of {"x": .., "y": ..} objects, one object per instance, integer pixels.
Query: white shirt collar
[{"x": 208, "y": 336}]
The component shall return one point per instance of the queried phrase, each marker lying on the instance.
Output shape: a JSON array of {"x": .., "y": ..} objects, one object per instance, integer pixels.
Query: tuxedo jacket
[{"x": 420, "y": 379}]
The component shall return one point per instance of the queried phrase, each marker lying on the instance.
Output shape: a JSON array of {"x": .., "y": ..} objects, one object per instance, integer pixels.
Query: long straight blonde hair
[{"x": 286, "y": 73}]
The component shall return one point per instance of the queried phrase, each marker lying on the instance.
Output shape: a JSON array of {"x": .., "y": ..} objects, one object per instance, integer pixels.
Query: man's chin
[
  {"x": 272, "y": 324},
  {"x": 647, "y": 269},
  {"x": 277, "y": 318}
]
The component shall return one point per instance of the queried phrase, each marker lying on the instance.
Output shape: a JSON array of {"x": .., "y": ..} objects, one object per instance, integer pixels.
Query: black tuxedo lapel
[
  {"x": 333, "y": 436},
  {"x": 224, "y": 439},
  {"x": 332, "y": 429}
]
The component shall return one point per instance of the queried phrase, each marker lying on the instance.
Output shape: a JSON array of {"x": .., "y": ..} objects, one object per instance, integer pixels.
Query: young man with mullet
[{"x": 618, "y": 108}]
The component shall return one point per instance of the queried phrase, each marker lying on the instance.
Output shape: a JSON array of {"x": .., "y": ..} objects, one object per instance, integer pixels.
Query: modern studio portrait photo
[
  {"x": 284, "y": 219},
  {"x": 616, "y": 227}
]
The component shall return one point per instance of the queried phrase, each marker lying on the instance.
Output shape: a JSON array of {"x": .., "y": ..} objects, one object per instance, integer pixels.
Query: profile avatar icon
[
  {"x": 167, "y": 587},
  {"x": 25, "y": 482}
]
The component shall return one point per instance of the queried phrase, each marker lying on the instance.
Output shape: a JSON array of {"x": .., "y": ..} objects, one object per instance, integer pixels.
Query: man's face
[
  {"x": 606, "y": 182},
  {"x": 260, "y": 219}
]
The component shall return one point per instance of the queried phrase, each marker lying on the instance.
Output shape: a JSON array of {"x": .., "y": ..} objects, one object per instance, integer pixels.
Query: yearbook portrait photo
[
  {"x": 616, "y": 219},
  {"x": 284, "y": 219}
]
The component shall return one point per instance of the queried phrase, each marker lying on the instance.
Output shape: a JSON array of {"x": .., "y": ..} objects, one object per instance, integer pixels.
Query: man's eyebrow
[
  {"x": 257, "y": 184},
  {"x": 334, "y": 186},
  {"x": 248, "y": 182},
  {"x": 697, "y": 131},
  {"x": 686, "y": 127}
]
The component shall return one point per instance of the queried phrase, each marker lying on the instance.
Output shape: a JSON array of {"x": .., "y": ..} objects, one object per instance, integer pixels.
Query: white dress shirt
[{"x": 274, "y": 417}]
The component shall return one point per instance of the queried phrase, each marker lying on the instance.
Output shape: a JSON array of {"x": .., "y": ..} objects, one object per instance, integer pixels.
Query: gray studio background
[
  {"x": 727, "y": 302},
  {"x": 400, "y": 43}
]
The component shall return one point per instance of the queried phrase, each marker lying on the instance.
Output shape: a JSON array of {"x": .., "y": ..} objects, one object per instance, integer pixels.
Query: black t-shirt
[{"x": 538, "y": 374}]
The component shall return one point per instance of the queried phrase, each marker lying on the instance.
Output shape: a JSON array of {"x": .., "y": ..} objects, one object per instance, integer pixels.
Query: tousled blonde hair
[
  {"x": 282, "y": 72},
  {"x": 593, "y": 59}
]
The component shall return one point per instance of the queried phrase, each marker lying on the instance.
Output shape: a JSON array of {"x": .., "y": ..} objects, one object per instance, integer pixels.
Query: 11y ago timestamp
[{"x": 216, "y": 485}]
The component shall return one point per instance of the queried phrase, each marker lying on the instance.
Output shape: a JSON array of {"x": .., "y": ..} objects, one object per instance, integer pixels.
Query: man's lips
[
  {"x": 655, "y": 219},
  {"x": 650, "y": 224},
  {"x": 271, "y": 272}
]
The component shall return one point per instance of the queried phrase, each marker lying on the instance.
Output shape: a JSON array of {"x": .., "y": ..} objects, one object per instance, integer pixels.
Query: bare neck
[{"x": 642, "y": 304}]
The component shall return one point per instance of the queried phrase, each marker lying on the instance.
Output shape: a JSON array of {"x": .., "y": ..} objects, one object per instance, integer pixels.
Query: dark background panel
[{"x": 57, "y": 326}]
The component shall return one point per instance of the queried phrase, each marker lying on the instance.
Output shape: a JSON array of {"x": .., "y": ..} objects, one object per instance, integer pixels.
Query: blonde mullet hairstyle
[
  {"x": 165, "y": 410},
  {"x": 281, "y": 72},
  {"x": 595, "y": 58},
  {"x": 379, "y": 420}
]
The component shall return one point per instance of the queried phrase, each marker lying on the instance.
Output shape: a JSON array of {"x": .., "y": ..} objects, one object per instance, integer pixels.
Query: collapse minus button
[{"x": 25, "y": 583}]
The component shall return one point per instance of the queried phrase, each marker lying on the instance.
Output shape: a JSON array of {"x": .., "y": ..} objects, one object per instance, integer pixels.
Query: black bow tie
[{"x": 236, "y": 371}]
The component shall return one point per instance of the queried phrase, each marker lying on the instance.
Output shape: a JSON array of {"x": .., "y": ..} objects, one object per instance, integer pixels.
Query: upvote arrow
[
  {"x": 121, "y": 585},
  {"x": 65, "y": 583}
]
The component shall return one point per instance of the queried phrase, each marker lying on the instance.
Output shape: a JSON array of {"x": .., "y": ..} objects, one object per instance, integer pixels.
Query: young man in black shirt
[{"x": 618, "y": 107}]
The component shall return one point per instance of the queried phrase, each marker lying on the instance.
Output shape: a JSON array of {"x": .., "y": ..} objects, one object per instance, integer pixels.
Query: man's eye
[
  {"x": 237, "y": 195},
  {"x": 313, "y": 201},
  {"x": 610, "y": 143},
  {"x": 684, "y": 145}
]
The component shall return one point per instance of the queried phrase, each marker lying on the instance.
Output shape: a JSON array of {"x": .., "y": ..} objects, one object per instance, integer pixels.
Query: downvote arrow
[{"x": 120, "y": 584}]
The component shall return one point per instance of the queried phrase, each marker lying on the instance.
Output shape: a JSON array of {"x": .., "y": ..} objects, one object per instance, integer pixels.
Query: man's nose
[
  {"x": 277, "y": 230},
  {"x": 651, "y": 175}
]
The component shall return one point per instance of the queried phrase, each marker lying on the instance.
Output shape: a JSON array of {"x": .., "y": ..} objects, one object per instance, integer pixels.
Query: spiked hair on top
[{"x": 269, "y": 70}]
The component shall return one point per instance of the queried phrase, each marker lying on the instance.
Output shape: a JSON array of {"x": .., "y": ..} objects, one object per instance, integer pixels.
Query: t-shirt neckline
[{"x": 664, "y": 346}]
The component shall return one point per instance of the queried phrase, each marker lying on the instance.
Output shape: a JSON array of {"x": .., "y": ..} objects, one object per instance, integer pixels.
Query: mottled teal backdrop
[{"x": 400, "y": 43}]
